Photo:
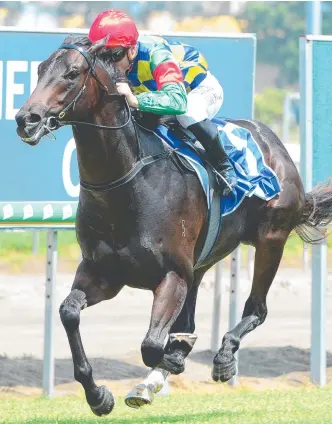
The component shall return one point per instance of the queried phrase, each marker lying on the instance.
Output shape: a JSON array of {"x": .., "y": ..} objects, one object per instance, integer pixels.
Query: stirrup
[{"x": 223, "y": 183}]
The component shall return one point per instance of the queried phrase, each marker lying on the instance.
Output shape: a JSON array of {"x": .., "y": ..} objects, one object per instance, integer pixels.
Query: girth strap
[{"x": 214, "y": 222}]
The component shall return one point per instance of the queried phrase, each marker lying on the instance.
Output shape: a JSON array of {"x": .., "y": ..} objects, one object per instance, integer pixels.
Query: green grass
[
  {"x": 311, "y": 405},
  {"x": 16, "y": 249},
  {"x": 22, "y": 241}
]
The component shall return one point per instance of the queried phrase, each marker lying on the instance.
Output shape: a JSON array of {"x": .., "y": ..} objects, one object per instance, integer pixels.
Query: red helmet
[{"x": 120, "y": 27}]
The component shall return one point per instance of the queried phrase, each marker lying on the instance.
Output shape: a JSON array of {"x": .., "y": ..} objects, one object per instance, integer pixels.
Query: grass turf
[
  {"x": 16, "y": 248},
  {"x": 309, "y": 405}
]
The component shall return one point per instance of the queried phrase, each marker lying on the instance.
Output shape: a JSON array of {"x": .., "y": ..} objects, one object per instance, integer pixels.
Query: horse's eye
[{"x": 74, "y": 73}]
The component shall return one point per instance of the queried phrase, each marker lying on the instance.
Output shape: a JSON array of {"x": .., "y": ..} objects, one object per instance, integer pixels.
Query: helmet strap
[{"x": 131, "y": 61}]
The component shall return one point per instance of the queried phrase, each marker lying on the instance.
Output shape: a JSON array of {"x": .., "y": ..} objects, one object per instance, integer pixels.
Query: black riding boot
[{"x": 207, "y": 134}]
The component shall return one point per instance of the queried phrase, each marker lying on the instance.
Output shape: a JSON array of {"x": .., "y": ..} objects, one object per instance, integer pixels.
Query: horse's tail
[{"x": 317, "y": 214}]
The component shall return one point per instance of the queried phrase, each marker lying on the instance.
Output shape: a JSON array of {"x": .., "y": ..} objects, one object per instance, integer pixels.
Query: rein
[{"x": 54, "y": 123}]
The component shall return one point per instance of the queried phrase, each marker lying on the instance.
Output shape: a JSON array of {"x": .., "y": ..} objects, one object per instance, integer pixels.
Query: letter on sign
[
  {"x": 12, "y": 87},
  {"x": 71, "y": 189}
]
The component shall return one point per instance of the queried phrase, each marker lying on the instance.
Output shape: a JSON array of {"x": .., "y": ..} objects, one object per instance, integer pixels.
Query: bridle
[{"x": 54, "y": 122}]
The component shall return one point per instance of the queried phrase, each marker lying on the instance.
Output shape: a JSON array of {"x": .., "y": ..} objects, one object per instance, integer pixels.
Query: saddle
[
  {"x": 254, "y": 177},
  {"x": 181, "y": 136}
]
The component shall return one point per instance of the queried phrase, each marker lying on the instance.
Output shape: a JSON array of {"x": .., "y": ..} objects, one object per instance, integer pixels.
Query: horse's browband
[
  {"x": 141, "y": 163},
  {"x": 80, "y": 49},
  {"x": 92, "y": 63}
]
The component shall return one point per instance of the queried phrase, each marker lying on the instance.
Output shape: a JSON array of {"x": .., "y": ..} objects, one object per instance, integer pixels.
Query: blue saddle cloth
[{"x": 255, "y": 178}]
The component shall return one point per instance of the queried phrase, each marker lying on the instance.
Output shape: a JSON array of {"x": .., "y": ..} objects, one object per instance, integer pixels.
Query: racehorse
[{"x": 142, "y": 217}]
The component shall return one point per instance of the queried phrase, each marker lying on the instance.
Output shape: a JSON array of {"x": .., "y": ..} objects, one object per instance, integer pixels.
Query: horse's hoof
[
  {"x": 223, "y": 371},
  {"x": 106, "y": 402},
  {"x": 139, "y": 396}
]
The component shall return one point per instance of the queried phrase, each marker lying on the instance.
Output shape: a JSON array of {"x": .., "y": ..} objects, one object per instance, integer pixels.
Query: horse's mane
[
  {"x": 84, "y": 41},
  {"x": 151, "y": 120}
]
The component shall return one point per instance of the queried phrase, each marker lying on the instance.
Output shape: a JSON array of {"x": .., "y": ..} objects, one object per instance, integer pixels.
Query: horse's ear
[
  {"x": 69, "y": 39},
  {"x": 99, "y": 45}
]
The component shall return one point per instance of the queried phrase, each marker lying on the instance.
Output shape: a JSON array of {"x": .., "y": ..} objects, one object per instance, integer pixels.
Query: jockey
[{"x": 166, "y": 78}]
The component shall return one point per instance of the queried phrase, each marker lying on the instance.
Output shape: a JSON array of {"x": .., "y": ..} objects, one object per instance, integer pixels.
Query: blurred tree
[
  {"x": 278, "y": 26},
  {"x": 269, "y": 106}
]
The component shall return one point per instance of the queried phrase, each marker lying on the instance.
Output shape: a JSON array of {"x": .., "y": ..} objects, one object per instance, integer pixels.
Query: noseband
[{"x": 53, "y": 122}]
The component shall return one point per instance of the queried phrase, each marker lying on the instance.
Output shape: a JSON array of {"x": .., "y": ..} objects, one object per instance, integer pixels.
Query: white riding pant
[{"x": 204, "y": 102}]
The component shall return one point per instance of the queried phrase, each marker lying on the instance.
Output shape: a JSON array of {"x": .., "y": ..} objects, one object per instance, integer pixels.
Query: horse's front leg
[
  {"x": 88, "y": 289},
  {"x": 182, "y": 337},
  {"x": 169, "y": 298},
  {"x": 168, "y": 301}
]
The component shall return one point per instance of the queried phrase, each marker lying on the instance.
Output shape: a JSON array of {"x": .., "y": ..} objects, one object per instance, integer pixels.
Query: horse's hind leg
[
  {"x": 267, "y": 259},
  {"x": 88, "y": 289}
]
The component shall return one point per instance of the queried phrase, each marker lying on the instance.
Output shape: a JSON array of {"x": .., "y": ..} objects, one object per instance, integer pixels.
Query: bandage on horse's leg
[{"x": 87, "y": 290}]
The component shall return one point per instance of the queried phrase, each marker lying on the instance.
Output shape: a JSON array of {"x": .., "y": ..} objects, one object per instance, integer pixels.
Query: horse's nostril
[
  {"x": 33, "y": 118},
  {"x": 27, "y": 119}
]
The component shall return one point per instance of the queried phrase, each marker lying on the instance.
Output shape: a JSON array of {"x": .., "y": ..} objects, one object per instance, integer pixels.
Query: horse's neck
[{"x": 105, "y": 155}]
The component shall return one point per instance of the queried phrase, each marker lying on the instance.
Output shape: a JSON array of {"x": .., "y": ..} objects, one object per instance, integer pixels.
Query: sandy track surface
[{"x": 277, "y": 352}]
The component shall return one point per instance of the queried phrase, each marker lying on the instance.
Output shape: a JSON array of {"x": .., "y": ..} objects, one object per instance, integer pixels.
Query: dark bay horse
[{"x": 142, "y": 219}]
